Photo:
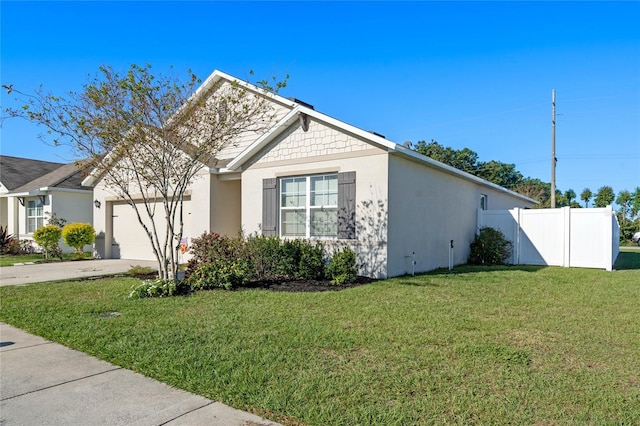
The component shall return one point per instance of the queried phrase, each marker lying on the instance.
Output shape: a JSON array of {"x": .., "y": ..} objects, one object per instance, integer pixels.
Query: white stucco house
[
  {"x": 313, "y": 176},
  {"x": 32, "y": 190}
]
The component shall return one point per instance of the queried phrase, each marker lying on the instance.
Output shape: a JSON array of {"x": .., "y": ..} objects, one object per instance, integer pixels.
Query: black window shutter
[
  {"x": 347, "y": 205},
  {"x": 270, "y": 207}
]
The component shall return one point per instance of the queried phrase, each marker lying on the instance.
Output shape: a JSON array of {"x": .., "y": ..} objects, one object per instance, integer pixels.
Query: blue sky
[{"x": 467, "y": 74}]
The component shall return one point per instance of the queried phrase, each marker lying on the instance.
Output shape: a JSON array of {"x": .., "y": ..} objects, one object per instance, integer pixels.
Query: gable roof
[
  {"x": 202, "y": 90},
  {"x": 16, "y": 171},
  {"x": 369, "y": 137},
  {"x": 301, "y": 108}
]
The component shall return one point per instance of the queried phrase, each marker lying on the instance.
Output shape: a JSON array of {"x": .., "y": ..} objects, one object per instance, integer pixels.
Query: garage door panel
[{"x": 130, "y": 240}]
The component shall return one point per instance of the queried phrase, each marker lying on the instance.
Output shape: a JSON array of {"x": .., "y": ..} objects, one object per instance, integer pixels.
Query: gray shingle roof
[
  {"x": 16, "y": 172},
  {"x": 57, "y": 175}
]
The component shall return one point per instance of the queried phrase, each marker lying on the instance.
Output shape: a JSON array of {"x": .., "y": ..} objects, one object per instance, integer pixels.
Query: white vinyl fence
[{"x": 586, "y": 238}]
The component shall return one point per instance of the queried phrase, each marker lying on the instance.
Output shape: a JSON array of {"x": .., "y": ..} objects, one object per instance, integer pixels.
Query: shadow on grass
[
  {"x": 419, "y": 278},
  {"x": 469, "y": 269},
  {"x": 627, "y": 260}
]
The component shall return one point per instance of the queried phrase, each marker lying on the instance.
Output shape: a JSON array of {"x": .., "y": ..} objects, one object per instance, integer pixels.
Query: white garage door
[{"x": 129, "y": 238}]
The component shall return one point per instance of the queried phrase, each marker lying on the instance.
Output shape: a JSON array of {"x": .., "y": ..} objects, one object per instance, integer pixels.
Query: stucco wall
[
  {"x": 4, "y": 212},
  {"x": 225, "y": 217},
  {"x": 428, "y": 209},
  {"x": 323, "y": 150}
]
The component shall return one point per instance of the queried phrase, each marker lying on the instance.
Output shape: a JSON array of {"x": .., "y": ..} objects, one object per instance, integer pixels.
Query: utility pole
[{"x": 553, "y": 148}]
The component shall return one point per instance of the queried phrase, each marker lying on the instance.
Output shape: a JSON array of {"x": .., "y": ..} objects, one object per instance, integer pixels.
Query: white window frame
[
  {"x": 307, "y": 208},
  {"x": 39, "y": 208}
]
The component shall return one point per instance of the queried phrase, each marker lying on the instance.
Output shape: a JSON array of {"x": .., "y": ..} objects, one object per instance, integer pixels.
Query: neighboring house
[
  {"x": 312, "y": 176},
  {"x": 32, "y": 190}
]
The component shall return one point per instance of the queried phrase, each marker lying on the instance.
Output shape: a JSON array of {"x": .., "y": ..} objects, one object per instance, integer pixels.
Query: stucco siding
[
  {"x": 4, "y": 212},
  {"x": 74, "y": 207},
  {"x": 322, "y": 155},
  {"x": 225, "y": 215},
  {"x": 428, "y": 209}
]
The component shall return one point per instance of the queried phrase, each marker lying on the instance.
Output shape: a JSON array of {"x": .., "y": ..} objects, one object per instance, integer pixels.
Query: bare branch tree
[{"x": 147, "y": 136}]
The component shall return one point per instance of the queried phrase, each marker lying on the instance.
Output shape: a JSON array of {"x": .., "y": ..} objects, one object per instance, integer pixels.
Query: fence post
[{"x": 566, "y": 257}]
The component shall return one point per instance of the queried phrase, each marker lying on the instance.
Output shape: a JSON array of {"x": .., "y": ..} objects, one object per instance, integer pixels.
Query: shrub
[
  {"x": 138, "y": 270},
  {"x": 77, "y": 235},
  {"x": 289, "y": 258},
  {"x": 47, "y": 237},
  {"x": 222, "y": 273},
  {"x": 312, "y": 262},
  {"x": 264, "y": 255},
  {"x": 158, "y": 288},
  {"x": 15, "y": 246},
  {"x": 490, "y": 247},
  {"x": 5, "y": 240},
  {"x": 211, "y": 246},
  {"x": 342, "y": 268}
]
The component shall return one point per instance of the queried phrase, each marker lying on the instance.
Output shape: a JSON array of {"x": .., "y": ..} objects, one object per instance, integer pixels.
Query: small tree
[
  {"x": 77, "y": 235},
  {"x": 147, "y": 137},
  {"x": 47, "y": 237}
]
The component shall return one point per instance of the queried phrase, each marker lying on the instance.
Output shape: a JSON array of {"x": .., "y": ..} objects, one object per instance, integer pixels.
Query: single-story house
[
  {"x": 32, "y": 190},
  {"x": 313, "y": 176}
]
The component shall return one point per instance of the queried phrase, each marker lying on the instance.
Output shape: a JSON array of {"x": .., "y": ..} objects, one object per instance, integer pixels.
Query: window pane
[
  {"x": 324, "y": 190},
  {"x": 293, "y": 223},
  {"x": 324, "y": 222},
  {"x": 294, "y": 192},
  {"x": 31, "y": 225}
]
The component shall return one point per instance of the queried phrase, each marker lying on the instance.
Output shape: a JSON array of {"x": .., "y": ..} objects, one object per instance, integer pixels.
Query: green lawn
[
  {"x": 6, "y": 260},
  {"x": 524, "y": 345}
]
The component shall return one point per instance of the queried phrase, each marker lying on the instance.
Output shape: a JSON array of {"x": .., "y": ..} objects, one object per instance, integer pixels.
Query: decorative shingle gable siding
[
  {"x": 318, "y": 141},
  {"x": 247, "y": 138}
]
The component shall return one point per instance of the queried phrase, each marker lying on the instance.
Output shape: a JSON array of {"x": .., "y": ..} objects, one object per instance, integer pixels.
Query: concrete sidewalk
[
  {"x": 43, "y": 383},
  {"x": 41, "y": 272}
]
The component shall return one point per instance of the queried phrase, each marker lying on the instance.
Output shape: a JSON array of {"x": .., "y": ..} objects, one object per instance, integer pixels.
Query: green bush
[
  {"x": 312, "y": 261},
  {"x": 47, "y": 237},
  {"x": 342, "y": 268},
  {"x": 289, "y": 258},
  {"x": 77, "y": 235},
  {"x": 264, "y": 255},
  {"x": 490, "y": 247},
  {"x": 223, "y": 273},
  {"x": 223, "y": 262}
]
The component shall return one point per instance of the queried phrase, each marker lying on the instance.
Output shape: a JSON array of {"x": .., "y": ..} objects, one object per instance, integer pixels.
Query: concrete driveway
[{"x": 40, "y": 272}]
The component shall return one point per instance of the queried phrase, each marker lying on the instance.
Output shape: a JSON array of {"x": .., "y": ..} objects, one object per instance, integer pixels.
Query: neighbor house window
[
  {"x": 35, "y": 215},
  {"x": 483, "y": 202},
  {"x": 309, "y": 206}
]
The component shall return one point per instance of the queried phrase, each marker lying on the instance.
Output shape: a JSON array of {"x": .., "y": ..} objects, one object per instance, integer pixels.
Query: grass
[
  {"x": 512, "y": 345},
  {"x": 9, "y": 260}
]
